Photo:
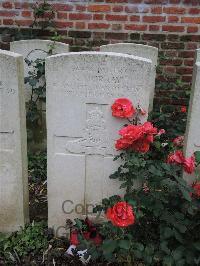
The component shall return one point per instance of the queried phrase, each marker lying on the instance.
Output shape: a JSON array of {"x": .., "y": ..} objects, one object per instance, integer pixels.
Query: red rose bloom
[
  {"x": 148, "y": 128},
  {"x": 142, "y": 145},
  {"x": 136, "y": 137},
  {"x": 123, "y": 108},
  {"x": 183, "y": 109},
  {"x": 121, "y": 214},
  {"x": 131, "y": 133},
  {"x": 196, "y": 187},
  {"x": 178, "y": 141},
  {"x": 177, "y": 157},
  {"x": 189, "y": 164}
]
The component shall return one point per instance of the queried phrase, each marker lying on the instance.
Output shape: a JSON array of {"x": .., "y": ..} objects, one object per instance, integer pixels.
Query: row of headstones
[
  {"x": 80, "y": 128},
  {"x": 39, "y": 49}
]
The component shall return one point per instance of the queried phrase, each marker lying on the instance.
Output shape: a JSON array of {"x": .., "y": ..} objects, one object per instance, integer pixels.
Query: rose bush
[{"x": 157, "y": 221}]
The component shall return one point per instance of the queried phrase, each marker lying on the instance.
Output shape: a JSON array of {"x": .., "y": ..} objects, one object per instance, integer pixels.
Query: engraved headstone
[
  {"x": 192, "y": 135},
  {"x": 140, "y": 50},
  {"x": 81, "y": 88},
  {"x": 14, "y": 200}
]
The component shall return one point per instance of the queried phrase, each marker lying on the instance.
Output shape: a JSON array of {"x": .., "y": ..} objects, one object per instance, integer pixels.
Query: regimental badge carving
[{"x": 95, "y": 138}]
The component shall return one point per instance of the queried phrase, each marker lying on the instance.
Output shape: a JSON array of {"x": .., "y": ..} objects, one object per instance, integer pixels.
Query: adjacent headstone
[
  {"x": 192, "y": 135},
  {"x": 31, "y": 51},
  {"x": 81, "y": 131},
  {"x": 36, "y": 49},
  {"x": 14, "y": 199},
  {"x": 197, "y": 55},
  {"x": 140, "y": 50}
]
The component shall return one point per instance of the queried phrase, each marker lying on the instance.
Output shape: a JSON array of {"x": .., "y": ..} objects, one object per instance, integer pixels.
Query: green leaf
[
  {"x": 109, "y": 246},
  {"x": 165, "y": 248},
  {"x": 168, "y": 232},
  {"x": 197, "y": 156},
  {"x": 125, "y": 244},
  {"x": 138, "y": 246},
  {"x": 197, "y": 245},
  {"x": 178, "y": 253},
  {"x": 186, "y": 194},
  {"x": 178, "y": 236},
  {"x": 138, "y": 254},
  {"x": 168, "y": 261}
]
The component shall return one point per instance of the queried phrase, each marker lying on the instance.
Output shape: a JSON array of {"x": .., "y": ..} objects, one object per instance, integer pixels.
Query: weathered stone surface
[
  {"x": 36, "y": 49},
  {"x": 13, "y": 151},
  {"x": 197, "y": 55},
  {"x": 140, "y": 50},
  {"x": 32, "y": 50},
  {"x": 192, "y": 135},
  {"x": 81, "y": 88}
]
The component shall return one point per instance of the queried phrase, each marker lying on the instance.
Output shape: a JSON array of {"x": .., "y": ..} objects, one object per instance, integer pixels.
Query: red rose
[
  {"x": 136, "y": 137},
  {"x": 177, "y": 157},
  {"x": 178, "y": 141},
  {"x": 141, "y": 145},
  {"x": 183, "y": 109},
  {"x": 122, "y": 144},
  {"x": 196, "y": 187},
  {"x": 148, "y": 128},
  {"x": 131, "y": 133},
  {"x": 123, "y": 108},
  {"x": 189, "y": 164},
  {"x": 121, "y": 214}
]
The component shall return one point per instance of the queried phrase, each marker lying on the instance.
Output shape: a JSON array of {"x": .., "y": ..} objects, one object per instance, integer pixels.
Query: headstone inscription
[
  {"x": 81, "y": 88},
  {"x": 145, "y": 51}
]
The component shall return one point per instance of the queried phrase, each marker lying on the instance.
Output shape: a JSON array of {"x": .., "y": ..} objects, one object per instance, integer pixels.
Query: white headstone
[
  {"x": 140, "y": 50},
  {"x": 197, "y": 56},
  {"x": 192, "y": 135},
  {"x": 14, "y": 199},
  {"x": 81, "y": 131},
  {"x": 36, "y": 49}
]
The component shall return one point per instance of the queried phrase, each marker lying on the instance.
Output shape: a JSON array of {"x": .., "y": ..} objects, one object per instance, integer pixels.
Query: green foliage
[
  {"x": 171, "y": 119},
  {"x": 36, "y": 82},
  {"x": 31, "y": 239},
  {"x": 167, "y": 230},
  {"x": 37, "y": 166},
  {"x": 37, "y": 85},
  {"x": 44, "y": 14},
  {"x": 169, "y": 116}
]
